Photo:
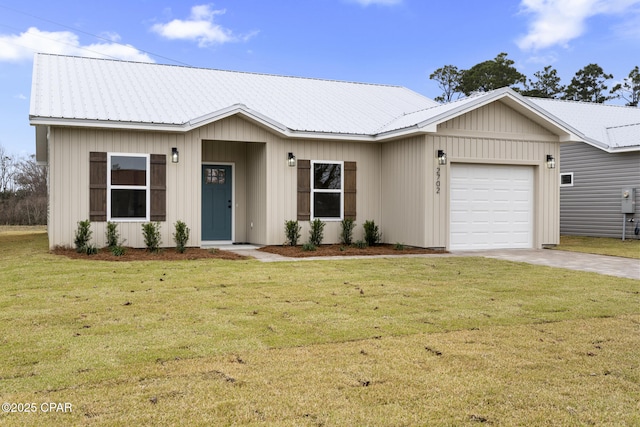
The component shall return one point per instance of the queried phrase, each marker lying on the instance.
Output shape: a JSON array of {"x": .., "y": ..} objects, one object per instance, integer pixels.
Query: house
[
  {"x": 234, "y": 155},
  {"x": 596, "y": 174}
]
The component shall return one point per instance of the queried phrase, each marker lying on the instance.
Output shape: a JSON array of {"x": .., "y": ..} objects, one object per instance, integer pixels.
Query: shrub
[
  {"x": 152, "y": 238},
  {"x": 292, "y": 231},
  {"x": 309, "y": 247},
  {"x": 346, "y": 235},
  {"x": 83, "y": 235},
  {"x": 371, "y": 233},
  {"x": 112, "y": 234},
  {"x": 316, "y": 233},
  {"x": 117, "y": 250},
  {"x": 398, "y": 247},
  {"x": 360, "y": 244},
  {"x": 181, "y": 236},
  {"x": 90, "y": 249}
]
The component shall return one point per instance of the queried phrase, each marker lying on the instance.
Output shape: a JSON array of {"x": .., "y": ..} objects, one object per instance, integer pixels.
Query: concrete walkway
[{"x": 601, "y": 264}]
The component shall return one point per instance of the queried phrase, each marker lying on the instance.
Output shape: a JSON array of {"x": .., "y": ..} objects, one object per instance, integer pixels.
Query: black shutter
[
  {"x": 158, "y": 187},
  {"x": 97, "y": 186},
  {"x": 304, "y": 190}
]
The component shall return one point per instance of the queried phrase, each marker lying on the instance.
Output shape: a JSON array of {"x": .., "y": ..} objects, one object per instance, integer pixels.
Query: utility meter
[{"x": 628, "y": 203}]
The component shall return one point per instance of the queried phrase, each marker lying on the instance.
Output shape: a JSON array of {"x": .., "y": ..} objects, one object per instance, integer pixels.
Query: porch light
[
  {"x": 442, "y": 157},
  {"x": 551, "y": 162},
  {"x": 175, "y": 156},
  {"x": 291, "y": 160}
]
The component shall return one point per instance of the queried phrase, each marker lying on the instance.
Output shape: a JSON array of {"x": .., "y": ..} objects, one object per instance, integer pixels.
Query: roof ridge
[
  {"x": 571, "y": 101},
  {"x": 192, "y": 67}
]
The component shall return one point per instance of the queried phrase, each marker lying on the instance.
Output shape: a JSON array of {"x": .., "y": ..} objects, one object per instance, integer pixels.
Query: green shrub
[
  {"x": 292, "y": 231},
  {"x": 309, "y": 247},
  {"x": 90, "y": 249},
  {"x": 82, "y": 236},
  {"x": 152, "y": 238},
  {"x": 360, "y": 244},
  {"x": 346, "y": 235},
  {"x": 181, "y": 236},
  {"x": 371, "y": 233},
  {"x": 117, "y": 250},
  {"x": 316, "y": 233},
  {"x": 398, "y": 247},
  {"x": 113, "y": 236}
]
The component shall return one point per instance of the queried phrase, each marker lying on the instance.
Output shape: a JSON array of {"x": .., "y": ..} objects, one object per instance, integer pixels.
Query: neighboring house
[
  {"x": 594, "y": 174},
  {"x": 255, "y": 150}
]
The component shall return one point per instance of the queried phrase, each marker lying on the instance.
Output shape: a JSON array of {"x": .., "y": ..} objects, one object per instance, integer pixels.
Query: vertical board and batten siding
[
  {"x": 69, "y": 150},
  {"x": 592, "y": 206},
  {"x": 494, "y": 134},
  {"x": 283, "y": 189},
  {"x": 404, "y": 179}
]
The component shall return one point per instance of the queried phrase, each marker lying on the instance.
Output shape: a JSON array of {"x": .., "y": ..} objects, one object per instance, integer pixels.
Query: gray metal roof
[
  {"x": 102, "y": 92},
  {"x": 609, "y": 127}
]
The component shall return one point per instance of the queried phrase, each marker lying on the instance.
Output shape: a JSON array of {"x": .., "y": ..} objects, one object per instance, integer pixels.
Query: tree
[
  {"x": 7, "y": 171},
  {"x": 588, "y": 85},
  {"x": 490, "y": 75},
  {"x": 629, "y": 89},
  {"x": 547, "y": 84},
  {"x": 448, "y": 78}
]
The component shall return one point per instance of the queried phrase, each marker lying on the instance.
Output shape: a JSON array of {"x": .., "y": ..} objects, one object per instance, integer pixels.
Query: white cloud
[
  {"x": 378, "y": 2},
  {"x": 18, "y": 48},
  {"x": 557, "y": 22},
  {"x": 200, "y": 27}
]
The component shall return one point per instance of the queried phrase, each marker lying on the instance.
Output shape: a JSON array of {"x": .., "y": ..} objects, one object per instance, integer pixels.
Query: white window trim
[
  {"x": 147, "y": 187},
  {"x": 314, "y": 191},
  {"x": 566, "y": 185}
]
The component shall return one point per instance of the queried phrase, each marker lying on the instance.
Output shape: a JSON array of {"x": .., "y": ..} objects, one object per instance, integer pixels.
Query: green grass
[
  {"x": 415, "y": 341},
  {"x": 629, "y": 248}
]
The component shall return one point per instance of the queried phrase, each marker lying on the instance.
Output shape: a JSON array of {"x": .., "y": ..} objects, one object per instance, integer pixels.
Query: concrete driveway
[{"x": 601, "y": 264}]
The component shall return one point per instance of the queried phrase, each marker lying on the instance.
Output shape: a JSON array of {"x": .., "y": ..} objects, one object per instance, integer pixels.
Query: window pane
[
  {"x": 127, "y": 170},
  {"x": 326, "y": 176},
  {"x": 128, "y": 204},
  {"x": 326, "y": 205}
]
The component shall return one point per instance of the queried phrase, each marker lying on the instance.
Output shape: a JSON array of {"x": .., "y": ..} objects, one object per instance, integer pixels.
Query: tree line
[
  {"x": 588, "y": 85},
  {"x": 23, "y": 190}
]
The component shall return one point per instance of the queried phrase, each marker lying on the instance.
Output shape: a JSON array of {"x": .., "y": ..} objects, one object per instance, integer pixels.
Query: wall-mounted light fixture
[
  {"x": 175, "y": 156},
  {"x": 442, "y": 157},
  {"x": 291, "y": 160},
  {"x": 551, "y": 162}
]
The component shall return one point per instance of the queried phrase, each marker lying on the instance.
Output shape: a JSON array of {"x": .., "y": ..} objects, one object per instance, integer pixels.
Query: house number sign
[{"x": 437, "y": 180}]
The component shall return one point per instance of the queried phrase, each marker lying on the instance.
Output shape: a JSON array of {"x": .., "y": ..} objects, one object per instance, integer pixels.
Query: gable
[{"x": 497, "y": 118}]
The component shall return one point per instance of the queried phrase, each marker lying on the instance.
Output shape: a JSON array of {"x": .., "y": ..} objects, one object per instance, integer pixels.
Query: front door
[{"x": 217, "y": 202}]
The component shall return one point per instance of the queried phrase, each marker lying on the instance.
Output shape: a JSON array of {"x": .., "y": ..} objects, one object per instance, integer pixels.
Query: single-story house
[
  {"x": 234, "y": 155},
  {"x": 595, "y": 175}
]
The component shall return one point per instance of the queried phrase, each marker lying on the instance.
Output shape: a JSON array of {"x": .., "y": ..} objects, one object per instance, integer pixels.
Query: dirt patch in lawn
[
  {"x": 341, "y": 250},
  {"x": 133, "y": 254}
]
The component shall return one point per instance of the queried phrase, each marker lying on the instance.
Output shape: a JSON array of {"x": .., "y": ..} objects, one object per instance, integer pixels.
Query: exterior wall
[
  {"x": 591, "y": 207},
  {"x": 494, "y": 134},
  {"x": 69, "y": 150},
  {"x": 282, "y": 184}
]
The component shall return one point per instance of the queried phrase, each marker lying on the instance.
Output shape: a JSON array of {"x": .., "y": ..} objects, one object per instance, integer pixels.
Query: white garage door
[{"x": 491, "y": 207}]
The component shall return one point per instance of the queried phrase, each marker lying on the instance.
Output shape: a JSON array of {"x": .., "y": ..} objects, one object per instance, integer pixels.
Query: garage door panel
[{"x": 491, "y": 207}]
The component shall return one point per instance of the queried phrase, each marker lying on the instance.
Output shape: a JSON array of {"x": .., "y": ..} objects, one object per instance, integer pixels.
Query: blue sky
[{"x": 397, "y": 42}]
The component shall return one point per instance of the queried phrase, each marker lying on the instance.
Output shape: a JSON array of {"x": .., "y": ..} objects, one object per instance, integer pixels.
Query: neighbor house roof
[
  {"x": 98, "y": 92},
  {"x": 611, "y": 128}
]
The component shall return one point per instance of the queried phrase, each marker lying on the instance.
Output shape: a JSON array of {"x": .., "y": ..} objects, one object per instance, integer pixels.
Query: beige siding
[
  {"x": 69, "y": 190},
  {"x": 282, "y": 187},
  {"x": 522, "y": 143},
  {"x": 404, "y": 181}
]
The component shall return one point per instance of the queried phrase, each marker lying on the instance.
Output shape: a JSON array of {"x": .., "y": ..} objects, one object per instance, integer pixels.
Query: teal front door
[{"x": 216, "y": 202}]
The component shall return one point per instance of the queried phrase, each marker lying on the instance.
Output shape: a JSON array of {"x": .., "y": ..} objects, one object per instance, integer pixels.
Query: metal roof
[
  {"x": 100, "y": 92},
  {"x": 612, "y": 128}
]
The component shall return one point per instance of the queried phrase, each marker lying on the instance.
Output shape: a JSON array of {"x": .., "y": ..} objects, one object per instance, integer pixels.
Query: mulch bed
[
  {"x": 133, "y": 254},
  {"x": 341, "y": 250}
]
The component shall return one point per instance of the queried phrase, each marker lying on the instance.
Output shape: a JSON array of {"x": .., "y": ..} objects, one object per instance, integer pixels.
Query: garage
[{"x": 491, "y": 207}]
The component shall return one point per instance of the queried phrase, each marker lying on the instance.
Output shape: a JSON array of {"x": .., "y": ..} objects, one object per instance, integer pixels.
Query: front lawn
[
  {"x": 404, "y": 341},
  {"x": 629, "y": 248}
]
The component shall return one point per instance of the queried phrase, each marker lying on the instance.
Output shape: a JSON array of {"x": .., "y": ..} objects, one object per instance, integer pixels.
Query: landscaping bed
[
  {"x": 134, "y": 254},
  {"x": 342, "y": 250}
]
